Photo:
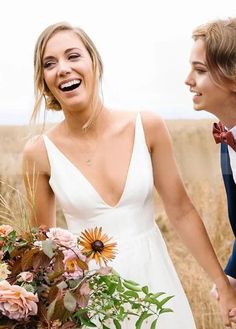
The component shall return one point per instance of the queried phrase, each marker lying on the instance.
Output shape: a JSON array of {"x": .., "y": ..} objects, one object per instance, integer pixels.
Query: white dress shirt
[{"x": 232, "y": 155}]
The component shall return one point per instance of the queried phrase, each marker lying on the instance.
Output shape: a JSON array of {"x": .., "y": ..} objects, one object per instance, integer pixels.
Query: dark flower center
[{"x": 97, "y": 245}]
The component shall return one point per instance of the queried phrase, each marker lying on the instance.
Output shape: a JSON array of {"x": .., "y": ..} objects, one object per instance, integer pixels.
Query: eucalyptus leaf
[
  {"x": 69, "y": 301},
  {"x": 47, "y": 246},
  {"x": 51, "y": 309}
]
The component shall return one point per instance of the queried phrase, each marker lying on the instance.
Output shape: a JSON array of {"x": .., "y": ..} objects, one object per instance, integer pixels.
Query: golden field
[{"x": 198, "y": 159}]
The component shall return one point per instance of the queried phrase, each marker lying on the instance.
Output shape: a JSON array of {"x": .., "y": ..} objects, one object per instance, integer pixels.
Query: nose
[
  {"x": 63, "y": 68},
  {"x": 189, "y": 81}
]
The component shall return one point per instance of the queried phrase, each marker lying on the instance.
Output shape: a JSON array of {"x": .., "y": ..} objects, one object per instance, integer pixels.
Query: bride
[{"x": 102, "y": 166}]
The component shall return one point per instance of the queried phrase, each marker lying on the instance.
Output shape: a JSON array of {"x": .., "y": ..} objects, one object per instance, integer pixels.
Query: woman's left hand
[{"x": 227, "y": 304}]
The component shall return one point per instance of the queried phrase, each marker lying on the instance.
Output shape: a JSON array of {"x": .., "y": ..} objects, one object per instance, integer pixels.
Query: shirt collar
[{"x": 233, "y": 131}]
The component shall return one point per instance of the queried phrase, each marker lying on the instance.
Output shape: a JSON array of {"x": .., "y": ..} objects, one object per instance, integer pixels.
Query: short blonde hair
[
  {"x": 41, "y": 90},
  {"x": 220, "y": 42}
]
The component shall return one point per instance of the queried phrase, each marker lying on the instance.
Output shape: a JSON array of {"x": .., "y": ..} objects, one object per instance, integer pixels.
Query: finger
[
  {"x": 232, "y": 313},
  {"x": 226, "y": 320},
  {"x": 233, "y": 320}
]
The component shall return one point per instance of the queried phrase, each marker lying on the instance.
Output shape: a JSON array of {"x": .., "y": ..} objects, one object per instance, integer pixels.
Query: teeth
[{"x": 69, "y": 84}]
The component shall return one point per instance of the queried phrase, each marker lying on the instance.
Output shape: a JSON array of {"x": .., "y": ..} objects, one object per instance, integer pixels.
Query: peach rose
[
  {"x": 5, "y": 230},
  {"x": 62, "y": 237},
  {"x": 71, "y": 266},
  {"x": 16, "y": 303}
]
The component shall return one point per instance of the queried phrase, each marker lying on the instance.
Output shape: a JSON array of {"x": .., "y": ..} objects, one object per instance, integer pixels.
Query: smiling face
[
  {"x": 68, "y": 70},
  {"x": 208, "y": 95}
]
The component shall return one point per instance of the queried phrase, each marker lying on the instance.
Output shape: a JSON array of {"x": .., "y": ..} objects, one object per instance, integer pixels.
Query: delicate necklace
[
  {"x": 88, "y": 162},
  {"x": 90, "y": 155}
]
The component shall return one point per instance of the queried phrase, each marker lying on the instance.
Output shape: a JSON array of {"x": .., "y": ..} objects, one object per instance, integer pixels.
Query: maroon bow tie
[{"x": 221, "y": 135}]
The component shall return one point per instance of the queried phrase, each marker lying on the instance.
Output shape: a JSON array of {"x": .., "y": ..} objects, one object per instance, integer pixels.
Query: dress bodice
[{"x": 82, "y": 205}]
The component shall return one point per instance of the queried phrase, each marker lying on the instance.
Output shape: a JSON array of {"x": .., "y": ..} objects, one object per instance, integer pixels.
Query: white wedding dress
[{"x": 142, "y": 253}]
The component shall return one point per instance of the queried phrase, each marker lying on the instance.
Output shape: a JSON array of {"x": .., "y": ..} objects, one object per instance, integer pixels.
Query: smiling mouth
[
  {"x": 196, "y": 93},
  {"x": 71, "y": 85}
]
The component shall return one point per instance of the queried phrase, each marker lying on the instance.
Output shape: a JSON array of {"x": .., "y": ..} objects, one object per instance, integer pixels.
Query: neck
[
  {"x": 74, "y": 123},
  {"x": 228, "y": 120},
  {"x": 226, "y": 113}
]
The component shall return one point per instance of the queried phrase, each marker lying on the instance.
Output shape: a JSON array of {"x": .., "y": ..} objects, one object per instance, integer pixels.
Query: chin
[{"x": 197, "y": 108}]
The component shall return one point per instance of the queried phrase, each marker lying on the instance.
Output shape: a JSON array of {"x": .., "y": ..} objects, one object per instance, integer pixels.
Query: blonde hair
[
  {"x": 219, "y": 37},
  {"x": 42, "y": 93}
]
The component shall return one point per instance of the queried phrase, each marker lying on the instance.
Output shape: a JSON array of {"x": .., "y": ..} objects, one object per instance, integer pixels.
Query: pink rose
[
  {"x": 62, "y": 237},
  {"x": 16, "y": 303},
  {"x": 71, "y": 266},
  {"x": 26, "y": 276},
  {"x": 5, "y": 230}
]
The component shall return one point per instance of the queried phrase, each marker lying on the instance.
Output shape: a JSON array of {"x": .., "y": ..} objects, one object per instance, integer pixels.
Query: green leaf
[
  {"x": 104, "y": 327},
  {"x": 131, "y": 293},
  {"x": 47, "y": 246},
  {"x": 120, "y": 288},
  {"x": 117, "y": 324},
  {"x": 158, "y": 294},
  {"x": 165, "y": 300},
  {"x": 153, "y": 325},
  {"x": 112, "y": 288},
  {"x": 166, "y": 310},
  {"x": 141, "y": 319},
  {"x": 69, "y": 301},
  {"x": 145, "y": 289},
  {"x": 133, "y": 283},
  {"x": 151, "y": 300},
  {"x": 87, "y": 322},
  {"x": 131, "y": 286}
]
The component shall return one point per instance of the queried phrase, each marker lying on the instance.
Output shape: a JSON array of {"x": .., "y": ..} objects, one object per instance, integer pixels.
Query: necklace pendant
[{"x": 89, "y": 162}]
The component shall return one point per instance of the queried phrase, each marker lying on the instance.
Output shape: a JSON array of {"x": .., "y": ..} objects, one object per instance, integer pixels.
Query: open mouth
[
  {"x": 196, "y": 93},
  {"x": 71, "y": 85}
]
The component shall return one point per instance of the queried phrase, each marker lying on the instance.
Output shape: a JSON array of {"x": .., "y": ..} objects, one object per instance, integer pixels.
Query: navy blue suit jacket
[{"x": 230, "y": 188}]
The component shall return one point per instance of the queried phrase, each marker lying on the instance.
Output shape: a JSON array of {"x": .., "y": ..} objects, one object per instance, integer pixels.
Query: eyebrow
[
  {"x": 66, "y": 52},
  {"x": 197, "y": 63}
]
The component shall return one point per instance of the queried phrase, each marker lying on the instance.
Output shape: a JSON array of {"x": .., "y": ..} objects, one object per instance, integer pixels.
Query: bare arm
[
  {"x": 181, "y": 211},
  {"x": 36, "y": 178}
]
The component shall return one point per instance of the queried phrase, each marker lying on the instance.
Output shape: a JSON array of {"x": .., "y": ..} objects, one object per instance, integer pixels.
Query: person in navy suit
[{"x": 212, "y": 80}]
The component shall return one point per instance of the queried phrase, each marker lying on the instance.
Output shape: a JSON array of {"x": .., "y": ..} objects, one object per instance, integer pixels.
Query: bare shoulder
[
  {"x": 33, "y": 147},
  {"x": 34, "y": 153},
  {"x": 155, "y": 128},
  {"x": 152, "y": 120}
]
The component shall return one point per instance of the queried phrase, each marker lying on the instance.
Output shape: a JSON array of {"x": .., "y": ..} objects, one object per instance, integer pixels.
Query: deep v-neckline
[{"x": 78, "y": 170}]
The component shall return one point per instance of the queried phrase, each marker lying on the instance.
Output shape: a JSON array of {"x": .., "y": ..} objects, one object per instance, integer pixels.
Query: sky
[{"x": 144, "y": 44}]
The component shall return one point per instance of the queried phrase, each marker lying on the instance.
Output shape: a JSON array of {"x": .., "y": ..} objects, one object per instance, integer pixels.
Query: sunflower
[{"x": 95, "y": 245}]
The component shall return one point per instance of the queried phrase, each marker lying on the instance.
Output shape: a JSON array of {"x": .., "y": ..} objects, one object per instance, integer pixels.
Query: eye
[
  {"x": 201, "y": 71},
  {"x": 48, "y": 64},
  {"x": 74, "y": 56}
]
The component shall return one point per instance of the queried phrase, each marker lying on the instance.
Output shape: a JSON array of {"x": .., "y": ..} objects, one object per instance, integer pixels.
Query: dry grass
[{"x": 198, "y": 159}]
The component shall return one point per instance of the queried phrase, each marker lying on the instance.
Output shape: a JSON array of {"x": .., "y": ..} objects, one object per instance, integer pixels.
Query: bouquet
[{"x": 46, "y": 281}]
